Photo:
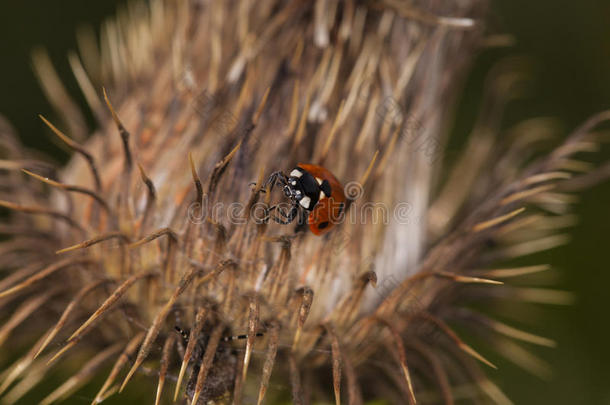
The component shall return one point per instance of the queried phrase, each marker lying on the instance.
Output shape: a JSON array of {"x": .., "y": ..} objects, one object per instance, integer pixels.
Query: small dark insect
[
  {"x": 311, "y": 188},
  {"x": 220, "y": 380}
]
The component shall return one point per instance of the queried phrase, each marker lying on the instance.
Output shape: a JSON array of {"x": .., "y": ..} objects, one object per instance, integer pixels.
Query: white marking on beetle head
[
  {"x": 293, "y": 182},
  {"x": 296, "y": 173},
  {"x": 305, "y": 202},
  {"x": 322, "y": 195},
  {"x": 319, "y": 180}
]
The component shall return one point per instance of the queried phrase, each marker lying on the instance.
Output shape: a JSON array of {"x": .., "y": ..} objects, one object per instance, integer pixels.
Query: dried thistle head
[{"x": 157, "y": 249}]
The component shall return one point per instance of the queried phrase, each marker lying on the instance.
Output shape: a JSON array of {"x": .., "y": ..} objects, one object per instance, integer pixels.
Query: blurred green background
[{"x": 569, "y": 45}]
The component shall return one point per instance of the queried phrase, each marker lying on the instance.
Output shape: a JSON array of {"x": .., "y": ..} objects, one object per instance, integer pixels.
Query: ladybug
[{"x": 313, "y": 190}]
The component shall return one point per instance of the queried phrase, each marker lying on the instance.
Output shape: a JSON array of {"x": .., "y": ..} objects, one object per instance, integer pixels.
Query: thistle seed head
[{"x": 153, "y": 248}]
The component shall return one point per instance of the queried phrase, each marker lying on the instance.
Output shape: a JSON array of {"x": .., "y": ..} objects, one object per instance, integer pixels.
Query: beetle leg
[
  {"x": 301, "y": 222},
  {"x": 269, "y": 212},
  {"x": 282, "y": 213},
  {"x": 235, "y": 337},
  {"x": 275, "y": 177},
  {"x": 289, "y": 217},
  {"x": 183, "y": 333},
  {"x": 271, "y": 180}
]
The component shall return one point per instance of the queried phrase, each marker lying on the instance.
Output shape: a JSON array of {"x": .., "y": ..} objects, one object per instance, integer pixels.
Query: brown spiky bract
[{"x": 199, "y": 99}]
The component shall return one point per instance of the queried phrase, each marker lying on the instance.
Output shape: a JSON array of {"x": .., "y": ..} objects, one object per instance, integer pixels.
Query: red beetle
[{"x": 314, "y": 189}]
